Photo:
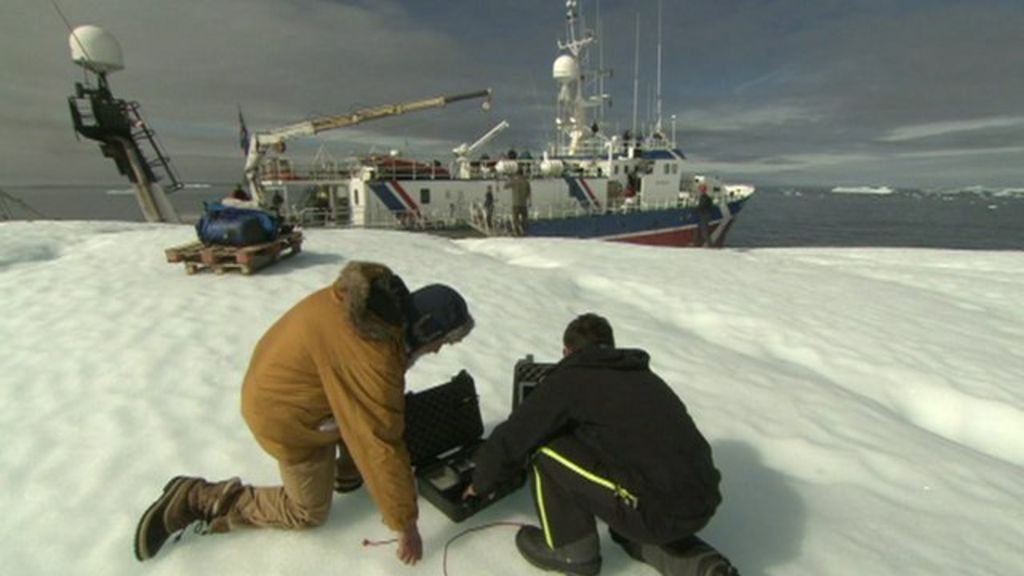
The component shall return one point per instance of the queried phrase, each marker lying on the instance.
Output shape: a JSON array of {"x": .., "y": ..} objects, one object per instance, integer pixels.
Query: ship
[{"x": 587, "y": 183}]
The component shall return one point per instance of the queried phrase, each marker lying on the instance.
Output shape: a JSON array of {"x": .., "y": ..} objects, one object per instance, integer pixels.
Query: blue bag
[{"x": 228, "y": 226}]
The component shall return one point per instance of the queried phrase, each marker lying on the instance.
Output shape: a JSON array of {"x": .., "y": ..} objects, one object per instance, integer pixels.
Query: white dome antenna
[
  {"x": 565, "y": 69},
  {"x": 95, "y": 49},
  {"x": 566, "y": 72}
]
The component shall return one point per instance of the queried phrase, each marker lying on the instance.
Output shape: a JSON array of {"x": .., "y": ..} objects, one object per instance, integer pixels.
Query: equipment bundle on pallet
[
  {"x": 198, "y": 256},
  {"x": 443, "y": 430},
  {"x": 232, "y": 238}
]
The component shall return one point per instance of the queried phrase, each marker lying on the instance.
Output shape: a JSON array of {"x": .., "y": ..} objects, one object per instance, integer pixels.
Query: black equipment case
[
  {"x": 443, "y": 429},
  {"x": 526, "y": 376}
]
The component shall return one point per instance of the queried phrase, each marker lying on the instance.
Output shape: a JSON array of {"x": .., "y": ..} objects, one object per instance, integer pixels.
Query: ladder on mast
[{"x": 145, "y": 138}]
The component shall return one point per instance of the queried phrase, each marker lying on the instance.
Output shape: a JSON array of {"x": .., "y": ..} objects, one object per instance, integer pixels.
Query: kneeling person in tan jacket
[{"x": 325, "y": 396}]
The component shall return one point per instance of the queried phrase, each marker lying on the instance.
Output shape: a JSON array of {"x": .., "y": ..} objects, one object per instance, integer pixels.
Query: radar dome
[
  {"x": 96, "y": 49},
  {"x": 565, "y": 68}
]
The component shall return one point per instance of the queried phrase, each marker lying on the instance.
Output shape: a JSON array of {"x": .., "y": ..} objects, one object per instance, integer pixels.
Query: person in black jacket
[
  {"x": 606, "y": 438},
  {"x": 705, "y": 212}
]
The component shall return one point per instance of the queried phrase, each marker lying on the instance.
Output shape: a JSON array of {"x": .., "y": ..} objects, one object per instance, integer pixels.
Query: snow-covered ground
[{"x": 865, "y": 406}]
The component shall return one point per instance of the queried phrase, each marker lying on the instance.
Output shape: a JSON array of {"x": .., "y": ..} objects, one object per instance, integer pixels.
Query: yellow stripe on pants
[
  {"x": 619, "y": 491},
  {"x": 540, "y": 507}
]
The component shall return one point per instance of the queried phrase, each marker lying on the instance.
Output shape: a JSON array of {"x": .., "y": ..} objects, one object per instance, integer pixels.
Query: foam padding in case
[
  {"x": 527, "y": 375},
  {"x": 442, "y": 418}
]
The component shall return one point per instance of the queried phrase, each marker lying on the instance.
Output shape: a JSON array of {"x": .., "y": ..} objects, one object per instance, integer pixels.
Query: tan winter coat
[
  {"x": 329, "y": 355},
  {"x": 520, "y": 187}
]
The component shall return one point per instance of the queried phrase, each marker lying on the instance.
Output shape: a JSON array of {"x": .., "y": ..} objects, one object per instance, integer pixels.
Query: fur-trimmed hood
[{"x": 375, "y": 297}]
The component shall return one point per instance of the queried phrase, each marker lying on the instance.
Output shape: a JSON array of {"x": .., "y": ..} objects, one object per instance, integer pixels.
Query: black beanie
[{"x": 435, "y": 311}]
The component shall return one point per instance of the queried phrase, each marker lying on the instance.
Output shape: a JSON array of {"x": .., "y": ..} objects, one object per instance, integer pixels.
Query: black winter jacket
[{"x": 610, "y": 400}]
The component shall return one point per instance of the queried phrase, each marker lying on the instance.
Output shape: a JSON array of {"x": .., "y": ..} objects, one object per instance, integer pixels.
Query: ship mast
[
  {"x": 571, "y": 119},
  {"x": 570, "y": 70},
  {"x": 118, "y": 125},
  {"x": 602, "y": 73},
  {"x": 657, "y": 127},
  {"x": 636, "y": 75}
]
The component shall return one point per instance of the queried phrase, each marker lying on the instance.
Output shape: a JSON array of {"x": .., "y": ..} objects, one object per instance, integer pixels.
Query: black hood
[{"x": 607, "y": 358}]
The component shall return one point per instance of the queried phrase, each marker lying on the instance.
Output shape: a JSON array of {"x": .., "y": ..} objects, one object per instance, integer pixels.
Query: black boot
[
  {"x": 688, "y": 557},
  {"x": 582, "y": 557}
]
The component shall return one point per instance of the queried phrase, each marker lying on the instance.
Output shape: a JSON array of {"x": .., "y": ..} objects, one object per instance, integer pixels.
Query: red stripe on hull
[
  {"x": 682, "y": 237},
  {"x": 408, "y": 201},
  {"x": 593, "y": 199}
]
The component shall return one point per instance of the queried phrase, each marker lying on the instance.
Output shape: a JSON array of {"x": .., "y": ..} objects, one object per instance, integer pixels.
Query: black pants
[{"x": 571, "y": 487}]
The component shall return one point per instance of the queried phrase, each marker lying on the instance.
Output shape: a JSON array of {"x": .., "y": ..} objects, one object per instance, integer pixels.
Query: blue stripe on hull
[
  {"x": 386, "y": 196},
  {"x": 577, "y": 192},
  {"x": 620, "y": 224}
]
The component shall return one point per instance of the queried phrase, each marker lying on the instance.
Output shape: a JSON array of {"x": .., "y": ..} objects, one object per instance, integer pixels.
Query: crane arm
[
  {"x": 325, "y": 123},
  {"x": 365, "y": 115},
  {"x": 465, "y": 150},
  {"x": 260, "y": 142}
]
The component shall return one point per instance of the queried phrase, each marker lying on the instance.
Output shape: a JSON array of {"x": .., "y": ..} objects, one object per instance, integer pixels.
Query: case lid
[
  {"x": 526, "y": 375},
  {"x": 442, "y": 418}
]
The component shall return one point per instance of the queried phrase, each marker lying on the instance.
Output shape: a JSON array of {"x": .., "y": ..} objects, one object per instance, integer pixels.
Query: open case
[
  {"x": 443, "y": 430},
  {"x": 526, "y": 376}
]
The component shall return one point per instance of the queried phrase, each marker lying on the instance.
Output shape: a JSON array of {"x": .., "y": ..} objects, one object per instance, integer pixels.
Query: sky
[
  {"x": 916, "y": 93},
  {"x": 863, "y": 405}
]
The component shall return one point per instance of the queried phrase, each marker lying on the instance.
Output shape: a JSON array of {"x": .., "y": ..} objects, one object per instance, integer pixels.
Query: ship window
[
  {"x": 666, "y": 169},
  {"x": 675, "y": 168},
  {"x": 616, "y": 169},
  {"x": 424, "y": 195},
  {"x": 355, "y": 196}
]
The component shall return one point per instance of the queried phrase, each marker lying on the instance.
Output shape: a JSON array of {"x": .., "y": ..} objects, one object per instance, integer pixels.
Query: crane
[
  {"x": 262, "y": 142},
  {"x": 462, "y": 151}
]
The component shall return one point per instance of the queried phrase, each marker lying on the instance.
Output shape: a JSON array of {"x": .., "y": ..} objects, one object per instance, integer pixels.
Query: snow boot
[
  {"x": 581, "y": 557},
  {"x": 185, "y": 500},
  {"x": 346, "y": 476},
  {"x": 688, "y": 557}
]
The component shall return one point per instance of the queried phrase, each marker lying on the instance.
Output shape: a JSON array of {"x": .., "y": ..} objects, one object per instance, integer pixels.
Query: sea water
[
  {"x": 774, "y": 216},
  {"x": 809, "y": 216},
  {"x": 110, "y": 202}
]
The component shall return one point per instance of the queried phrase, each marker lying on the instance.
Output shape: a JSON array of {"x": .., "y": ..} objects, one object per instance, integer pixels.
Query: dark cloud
[{"x": 774, "y": 92}]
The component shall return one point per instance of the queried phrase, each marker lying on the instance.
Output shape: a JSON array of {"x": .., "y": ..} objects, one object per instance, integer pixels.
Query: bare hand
[
  {"x": 410, "y": 545},
  {"x": 469, "y": 493}
]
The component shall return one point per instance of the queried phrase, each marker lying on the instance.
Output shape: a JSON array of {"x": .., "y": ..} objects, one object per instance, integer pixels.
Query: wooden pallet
[{"x": 247, "y": 259}]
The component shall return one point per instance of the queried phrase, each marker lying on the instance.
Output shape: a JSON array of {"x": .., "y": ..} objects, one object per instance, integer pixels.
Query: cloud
[
  {"x": 790, "y": 85},
  {"x": 920, "y": 131},
  {"x": 947, "y": 153},
  {"x": 783, "y": 164},
  {"x": 736, "y": 118}
]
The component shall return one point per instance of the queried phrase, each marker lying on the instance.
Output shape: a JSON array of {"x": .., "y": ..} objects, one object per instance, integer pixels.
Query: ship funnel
[{"x": 95, "y": 49}]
